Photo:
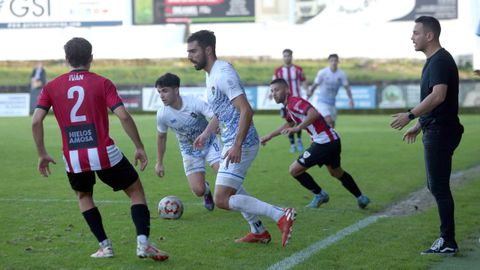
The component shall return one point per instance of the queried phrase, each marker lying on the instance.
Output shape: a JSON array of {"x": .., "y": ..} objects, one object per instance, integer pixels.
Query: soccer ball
[{"x": 170, "y": 207}]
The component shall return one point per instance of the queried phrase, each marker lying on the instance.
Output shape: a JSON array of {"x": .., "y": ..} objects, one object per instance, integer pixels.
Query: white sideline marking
[{"x": 304, "y": 254}]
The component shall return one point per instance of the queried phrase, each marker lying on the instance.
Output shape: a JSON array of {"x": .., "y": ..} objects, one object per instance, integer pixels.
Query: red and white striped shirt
[
  {"x": 294, "y": 76},
  {"x": 320, "y": 132},
  {"x": 80, "y": 100}
]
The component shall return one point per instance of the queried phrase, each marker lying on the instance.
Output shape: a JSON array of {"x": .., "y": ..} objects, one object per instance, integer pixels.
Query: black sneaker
[{"x": 441, "y": 247}]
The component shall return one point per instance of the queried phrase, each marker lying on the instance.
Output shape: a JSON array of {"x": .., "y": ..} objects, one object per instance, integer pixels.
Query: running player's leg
[
  {"x": 300, "y": 173},
  {"x": 335, "y": 169},
  {"x": 123, "y": 176},
  {"x": 197, "y": 183},
  {"x": 195, "y": 171},
  {"x": 314, "y": 155},
  {"x": 258, "y": 233},
  {"x": 230, "y": 179},
  {"x": 300, "y": 147},
  {"x": 201, "y": 188},
  {"x": 82, "y": 184}
]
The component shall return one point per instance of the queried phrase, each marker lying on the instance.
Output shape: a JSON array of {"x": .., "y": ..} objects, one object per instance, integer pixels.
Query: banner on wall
[
  {"x": 264, "y": 100},
  {"x": 14, "y": 104},
  {"x": 151, "y": 99},
  {"x": 364, "y": 97},
  {"x": 132, "y": 99},
  {"x": 389, "y": 96},
  {"x": 440, "y": 9},
  {"x": 469, "y": 95},
  {"x": 399, "y": 96},
  {"x": 192, "y": 11},
  {"x": 60, "y": 13}
]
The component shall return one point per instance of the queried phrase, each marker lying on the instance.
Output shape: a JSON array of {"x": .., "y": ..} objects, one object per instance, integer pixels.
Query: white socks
[
  {"x": 142, "y": 239},
  {"x": 256, "y": 225},
  {"x": 105, "y": 243},
  {"x": 251, "y": 205}
]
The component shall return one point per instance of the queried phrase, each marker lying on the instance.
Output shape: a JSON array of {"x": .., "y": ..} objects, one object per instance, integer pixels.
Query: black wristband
[{"x": 411, "y": 116}]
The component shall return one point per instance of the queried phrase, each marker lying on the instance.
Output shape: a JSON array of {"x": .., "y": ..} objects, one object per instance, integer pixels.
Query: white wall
[{"x": 367, "y": 34}]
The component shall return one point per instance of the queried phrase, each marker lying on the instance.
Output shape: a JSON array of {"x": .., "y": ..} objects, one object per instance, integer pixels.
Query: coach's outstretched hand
[
  {"x": 43, "y": 167},
  {"x": 399, "y": 121},
  {"x": 411, "y": 134}
]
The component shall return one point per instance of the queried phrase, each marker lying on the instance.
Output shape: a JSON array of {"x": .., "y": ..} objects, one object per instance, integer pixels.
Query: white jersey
[
  {"x": 223, "y": 85},
  {"x": 329, "y": 83},
  {"x": 187, "y": 123}
]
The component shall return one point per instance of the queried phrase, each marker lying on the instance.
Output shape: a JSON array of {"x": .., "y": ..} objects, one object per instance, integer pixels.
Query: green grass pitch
[{"x": 41, "y": 226}]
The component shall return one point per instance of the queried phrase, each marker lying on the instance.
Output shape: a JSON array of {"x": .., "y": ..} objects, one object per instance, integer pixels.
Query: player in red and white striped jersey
[
  {"x": 80, "y": 100},
  {"x": 325, "y": 148},
  {"x": 296, "y": 79}
]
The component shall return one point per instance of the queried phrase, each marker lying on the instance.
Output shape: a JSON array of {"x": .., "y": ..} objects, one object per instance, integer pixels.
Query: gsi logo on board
[
  {"x": 60, "y": 13},
  {"x": 24, "y": 8}
]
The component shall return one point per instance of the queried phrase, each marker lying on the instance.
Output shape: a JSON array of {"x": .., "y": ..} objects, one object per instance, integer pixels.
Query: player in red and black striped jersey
[
  {"x": 80, "y": 100},
  {"x": 325, "y": 148},
  {"x": 295, "y": 77}
]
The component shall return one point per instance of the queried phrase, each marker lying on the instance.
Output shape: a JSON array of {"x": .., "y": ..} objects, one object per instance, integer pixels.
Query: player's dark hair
[
  {"x": 333, "y": 55},
  {"x": 280, "y": 81},
  {"x": 204, "y": 38},
  {"x": 78, "y": 51},
  {"x": 430, "y": 24},
  {"x": 168, "y": 80},
  {"x": 288, "y": 51}
]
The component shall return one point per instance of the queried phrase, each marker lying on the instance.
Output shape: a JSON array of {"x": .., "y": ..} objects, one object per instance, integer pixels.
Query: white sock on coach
[{"x": 142, "y": 239}]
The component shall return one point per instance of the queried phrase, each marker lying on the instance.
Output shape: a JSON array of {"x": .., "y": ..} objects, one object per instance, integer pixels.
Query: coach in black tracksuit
[{"x": 442, "y": 131}]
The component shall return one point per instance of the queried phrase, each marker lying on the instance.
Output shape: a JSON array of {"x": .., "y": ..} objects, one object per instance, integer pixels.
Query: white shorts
[
  {"x": 235, "y": 174},
  {"x": 193, "y": 164},
  {"x": 327, "y": 110}
]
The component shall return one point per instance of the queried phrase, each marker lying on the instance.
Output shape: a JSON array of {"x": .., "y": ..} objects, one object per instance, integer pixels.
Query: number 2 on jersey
[{"x": 73, "y": 113}]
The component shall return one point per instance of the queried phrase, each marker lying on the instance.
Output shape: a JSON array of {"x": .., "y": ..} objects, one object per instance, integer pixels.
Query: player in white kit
[
  {"x": 186, "y": 116},
  {"x": 330, "y": 79},
  {"x": 227, "y": 99}
]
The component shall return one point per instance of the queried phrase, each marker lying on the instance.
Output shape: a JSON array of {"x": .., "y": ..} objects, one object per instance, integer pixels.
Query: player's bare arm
[
  {"x": 311, "y": 90},
  {"x": 312, "y": 114},
  {"x": 131, "y": 129},
  {"x": 350, "y": 96},
  {"x": 434, "y": 99},
  {"x": 161, "y": 148},
  {"x": 234, "y": 154},
  {"x": 275, "y": 133},
  {"x": 38, "y": 136},
  {"x": 212, "y": 128}
]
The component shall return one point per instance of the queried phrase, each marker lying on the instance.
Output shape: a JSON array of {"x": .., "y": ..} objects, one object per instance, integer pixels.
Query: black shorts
[
  {"x": 118, "y": 177},
  {"x": 322, "y": 154}
]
